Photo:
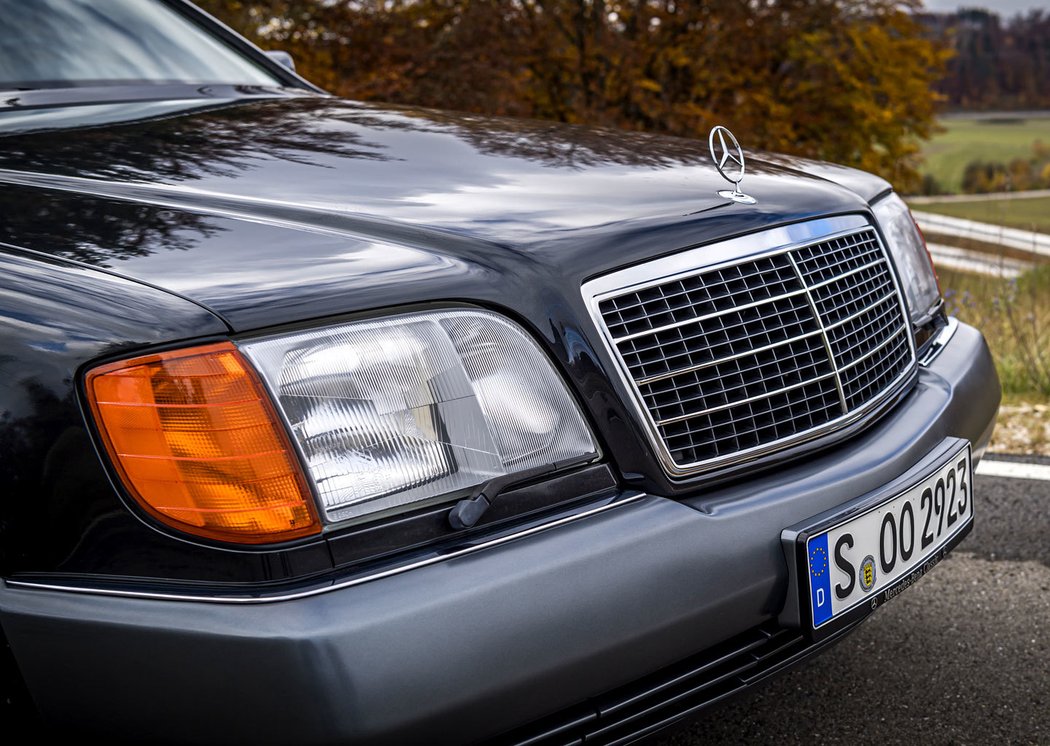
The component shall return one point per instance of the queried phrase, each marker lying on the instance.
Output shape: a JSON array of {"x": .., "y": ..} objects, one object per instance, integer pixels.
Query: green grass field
[
  {"x": 1014, "y": 316},
  {"x": 968, "y": 139},
  {"x": 1029, "y": 214}
]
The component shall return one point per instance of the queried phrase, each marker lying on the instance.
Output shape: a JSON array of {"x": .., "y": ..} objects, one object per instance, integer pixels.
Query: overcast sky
[{"x": 1002, "y": 7}]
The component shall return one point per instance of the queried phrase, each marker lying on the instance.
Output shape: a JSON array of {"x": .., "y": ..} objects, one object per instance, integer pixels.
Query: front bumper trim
[{"x": 278, "y": 597}]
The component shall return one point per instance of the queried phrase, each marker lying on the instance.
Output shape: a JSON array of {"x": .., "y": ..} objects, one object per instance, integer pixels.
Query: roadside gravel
[{"x": 1022, "y": 428}]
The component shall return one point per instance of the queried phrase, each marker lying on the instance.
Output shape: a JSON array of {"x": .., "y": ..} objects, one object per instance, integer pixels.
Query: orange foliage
[{"x": 842, "y": 80}]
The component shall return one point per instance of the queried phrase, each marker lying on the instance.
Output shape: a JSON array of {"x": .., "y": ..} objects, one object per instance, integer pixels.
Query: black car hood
[{"x": 273, "y": 211}]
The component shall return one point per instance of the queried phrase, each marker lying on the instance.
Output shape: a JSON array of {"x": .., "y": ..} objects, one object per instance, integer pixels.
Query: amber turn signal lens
[{"x": 197, "y": 443}]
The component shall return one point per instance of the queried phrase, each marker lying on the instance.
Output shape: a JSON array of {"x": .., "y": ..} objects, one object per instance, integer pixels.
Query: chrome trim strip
[
  {"x": 707, "y": 316},
  {"x": 680, "y": 293},
  {"x": 940, "y": 341},
  {"x": 861, "y": 312},
  {"x": 882, "y": 345},
  {"x": 337, "y": 586},
  {"x": 836, "y": 278},
  {"x": 721, "y": 254},
  {"x": 869, "y": 328},
  {"x": 729, "y": 359},
  {"x": 823, "y": 335},
  {"x": 714, "y": 256},
  {"x": 748, "y": 400}
]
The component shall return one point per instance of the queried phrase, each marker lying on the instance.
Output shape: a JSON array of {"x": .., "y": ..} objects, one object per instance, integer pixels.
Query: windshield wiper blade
[
  {"x": 117, "y": 94},
  {"x": 468, "y": 511}
]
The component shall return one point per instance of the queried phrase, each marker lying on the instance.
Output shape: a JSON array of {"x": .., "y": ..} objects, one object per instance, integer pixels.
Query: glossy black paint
[
  {"x": 469, "y": 647},
  {"x": 302, "y": 209},
  {"x": 60, "y": 512}
]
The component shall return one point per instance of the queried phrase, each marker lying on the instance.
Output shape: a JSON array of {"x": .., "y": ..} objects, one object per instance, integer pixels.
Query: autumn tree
[
  {"x": 842, "y": 80},
  {"x": 997, "y": 64}
]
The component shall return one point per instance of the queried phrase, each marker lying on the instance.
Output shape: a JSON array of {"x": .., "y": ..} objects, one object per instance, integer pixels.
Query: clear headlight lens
[
  {"x": 908, "y": 248},
  {"x": 408, "y": 408}
]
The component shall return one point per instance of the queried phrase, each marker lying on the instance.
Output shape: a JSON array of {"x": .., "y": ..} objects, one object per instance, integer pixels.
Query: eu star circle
[{"x": 818, "y": 561}]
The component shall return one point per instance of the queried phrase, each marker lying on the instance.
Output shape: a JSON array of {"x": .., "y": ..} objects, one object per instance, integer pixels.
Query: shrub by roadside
[
  {"x": 1020, "y": 174},
  {"x": 1015, "y": 318}
]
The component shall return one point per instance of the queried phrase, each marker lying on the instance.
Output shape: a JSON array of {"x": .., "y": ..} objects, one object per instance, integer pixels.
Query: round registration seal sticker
[{"x": 867, "y": 573}]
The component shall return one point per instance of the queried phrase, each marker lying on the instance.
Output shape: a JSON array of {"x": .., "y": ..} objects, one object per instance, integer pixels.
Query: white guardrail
[
  {"x": 979, "y": 262},
  {"x": 1034, "y": 243}
]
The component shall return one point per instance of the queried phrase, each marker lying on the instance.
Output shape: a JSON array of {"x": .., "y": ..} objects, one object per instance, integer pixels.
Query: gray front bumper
[{"x": 469, "y": 647}]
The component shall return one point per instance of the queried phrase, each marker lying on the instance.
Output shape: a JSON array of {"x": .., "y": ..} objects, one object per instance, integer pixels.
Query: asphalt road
[{"x": 962, "y": 657}]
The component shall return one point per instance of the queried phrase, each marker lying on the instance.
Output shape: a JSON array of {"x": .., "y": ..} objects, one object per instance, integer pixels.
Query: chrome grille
[{"x": 758, "y": 354}]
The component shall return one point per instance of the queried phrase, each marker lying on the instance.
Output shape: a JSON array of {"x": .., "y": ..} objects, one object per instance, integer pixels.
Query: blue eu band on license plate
[{"x": 851, "y": 563}]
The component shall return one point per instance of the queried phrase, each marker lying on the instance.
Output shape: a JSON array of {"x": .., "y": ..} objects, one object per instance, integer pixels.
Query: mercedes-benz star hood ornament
[{"x": 729, "y": 160}]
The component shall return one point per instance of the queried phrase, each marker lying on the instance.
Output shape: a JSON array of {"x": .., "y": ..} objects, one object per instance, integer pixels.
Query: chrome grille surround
[{"x": 734, "y": 350}]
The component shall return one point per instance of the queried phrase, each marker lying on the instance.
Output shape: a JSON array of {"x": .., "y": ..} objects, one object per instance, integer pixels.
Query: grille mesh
[{"x": 763, "y": 351}]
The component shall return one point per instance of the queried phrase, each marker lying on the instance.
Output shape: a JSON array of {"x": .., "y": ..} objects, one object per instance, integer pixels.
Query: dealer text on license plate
[{"x": 852, "y": 562}]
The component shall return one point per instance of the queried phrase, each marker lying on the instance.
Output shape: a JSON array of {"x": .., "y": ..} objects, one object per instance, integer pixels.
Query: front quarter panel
[{"x": 58, "y": 509}]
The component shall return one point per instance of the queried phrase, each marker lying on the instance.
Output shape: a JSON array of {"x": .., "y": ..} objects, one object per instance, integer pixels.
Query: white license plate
[{"x": 852, "y": 562}]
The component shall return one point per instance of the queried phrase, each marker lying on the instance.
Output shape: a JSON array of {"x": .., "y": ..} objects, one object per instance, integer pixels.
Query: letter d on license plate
[{"x": 852, "y": 559}]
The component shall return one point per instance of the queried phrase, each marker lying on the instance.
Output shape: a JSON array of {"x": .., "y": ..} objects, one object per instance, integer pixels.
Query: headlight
[
  {"x": 908, "y": 248},
  {"x": 407, "y": 409}
]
